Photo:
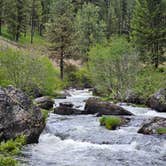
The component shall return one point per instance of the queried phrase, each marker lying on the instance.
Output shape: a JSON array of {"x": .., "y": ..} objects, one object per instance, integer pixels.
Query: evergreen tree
[
  {"x": 60, "y": 30},
  {"x": 35, "y": 10},
  {"x": 16, "y": 17},
  {"x": 148, "y": 29},
  {"x": 90, "y": 28},
  {"x": 2, "y": 5}
]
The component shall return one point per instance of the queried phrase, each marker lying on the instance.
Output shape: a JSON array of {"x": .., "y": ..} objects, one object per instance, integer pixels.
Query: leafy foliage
[
  {"x": 28, "y": 72},
  {"x": 113, "y": 66},
  {"x": 161, "y": 130},
  {"x": 110, "y": 122}
]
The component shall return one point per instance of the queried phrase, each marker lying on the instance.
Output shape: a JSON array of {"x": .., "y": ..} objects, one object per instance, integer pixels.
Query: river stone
[
  {"x": 19, "y": 116},
  {"x": 62, "y": 110},
  {"x": 158, "y": 101},
  {"x": 66, "y": 104},
  {"x": 95, "y": 105},
  {"x": 152, "y": 126},
  {"x": 44, "y": 102}
]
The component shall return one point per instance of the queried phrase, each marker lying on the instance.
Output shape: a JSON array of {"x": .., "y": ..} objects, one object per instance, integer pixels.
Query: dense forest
[{"x": 117, "y": 48}]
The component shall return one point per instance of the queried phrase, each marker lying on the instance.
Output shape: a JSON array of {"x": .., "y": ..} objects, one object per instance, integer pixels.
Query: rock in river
[
  {"x": 44, "y": 102},
  {"x": 95, "y": 105},
  {"x": 153, "y": 126},
  {"x": 18, "y": 116},
  {"x": 66, "y": 108},
  {"x": 158, "y": 101}
]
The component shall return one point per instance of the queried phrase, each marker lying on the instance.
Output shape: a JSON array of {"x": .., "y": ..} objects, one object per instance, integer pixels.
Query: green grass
[
  {"x": 37, "y": 40},
  {"x": 110, "y": 122},
  {"x": 45, "y": 114},
  {"x": 7, "y": 161},
  {"x": 10, "y": 149},
  {"x": 161, "y": 130}
]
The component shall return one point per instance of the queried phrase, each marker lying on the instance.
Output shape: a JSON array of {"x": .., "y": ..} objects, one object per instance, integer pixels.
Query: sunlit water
[{"x": 81, "y": 141}]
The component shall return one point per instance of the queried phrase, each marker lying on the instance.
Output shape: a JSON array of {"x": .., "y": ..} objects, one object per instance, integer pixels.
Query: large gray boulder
[
  {"x": 18, "y": 116},
  {"x": 158, "y": 101},
  {"x": 95, "y": 105},
  {"x": 44, "y": 102},
  {"x": 154, "y": 126}
]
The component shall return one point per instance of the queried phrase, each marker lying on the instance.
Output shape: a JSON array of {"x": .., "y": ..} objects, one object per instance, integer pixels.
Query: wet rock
[
  {"x": 62, "y": 95},
  {"x": 153, "y": 126},
  {"x": 134, "y": 98},
  {"x": 62, "y": 110},
  {"x": 44, "y": 102},
  {"x": 66, "y": 104},
  {"x": 19, "y": 116},
  {"x": 95, "y": 105},
  {"x": 158, "y": 101}
]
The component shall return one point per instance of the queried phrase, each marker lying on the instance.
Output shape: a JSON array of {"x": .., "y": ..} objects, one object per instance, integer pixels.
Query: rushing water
[{"x": 81, "y": 141}]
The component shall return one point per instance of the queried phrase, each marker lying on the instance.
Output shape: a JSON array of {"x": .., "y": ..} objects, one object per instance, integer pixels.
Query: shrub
[
  {"x": 113, "y": 67},
  {"x": 161, "y": 130},
  {"x": 7, "y": 161},
  {"x": 149, "y": 81},
  {"x": 110, "y": 122},
  {"x": 12, "y": 147},
  {"x": 45, "y": 114},
  {"x": 78, "y": 77},
  {"x": 28, "y": 72}
]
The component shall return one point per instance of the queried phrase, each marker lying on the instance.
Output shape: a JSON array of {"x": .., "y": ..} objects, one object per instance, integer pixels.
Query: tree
[
  {"x": 113, "y": 67},
  {"x": 35, "y": 8},
  {"x": 60, "y": 30},
  {"x": 90, "y": 29},
  {"x": 148, "y": 29},
  {"x": 16, "y": 17},
  {"x": 2, "y": 4}
]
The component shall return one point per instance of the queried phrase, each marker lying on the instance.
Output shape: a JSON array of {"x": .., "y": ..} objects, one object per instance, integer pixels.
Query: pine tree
[
  {"x": 90, "y": 28},
  {"x": 35, "y": 10},
  {"x": 2, "y": 5},
  {"x": 16, "y": 17},
  {"x": 148, "y": 29},
  {"x": 60, "y": 30}
]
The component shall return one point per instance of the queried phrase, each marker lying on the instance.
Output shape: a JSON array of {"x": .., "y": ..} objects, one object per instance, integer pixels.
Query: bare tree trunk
[
  {"x": 62, "y": 64},
  {"x": 32, "y": 21}
]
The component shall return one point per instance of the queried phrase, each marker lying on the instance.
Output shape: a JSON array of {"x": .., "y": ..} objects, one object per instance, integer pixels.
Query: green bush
[
  {"x": 78, "y": 77},
  {"x": 161, "y": 130},
  {"x": 7, "y": 161},
  {"x": 149, "y": 81},
  {"x": 28, "y": 72},
  {"x": 110, "y": 122},
  {"x": 45, "y": 114},
  {"x": 12, "y": 147},
  {"x": 113, "y": 67}
]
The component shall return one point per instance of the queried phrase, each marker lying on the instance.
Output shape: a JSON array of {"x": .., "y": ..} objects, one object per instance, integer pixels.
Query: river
[{"x": 79, "y": 140}]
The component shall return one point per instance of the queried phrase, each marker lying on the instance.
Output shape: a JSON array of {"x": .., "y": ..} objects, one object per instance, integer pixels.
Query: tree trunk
[
  {"x": 62, "y": 64},
  {"x": 0, "y": 26},
  {"x": 32, "y": 20}
]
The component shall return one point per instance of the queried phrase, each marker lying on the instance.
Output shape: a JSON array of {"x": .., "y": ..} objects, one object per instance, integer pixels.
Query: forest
[{"x": 114, "y": 48}]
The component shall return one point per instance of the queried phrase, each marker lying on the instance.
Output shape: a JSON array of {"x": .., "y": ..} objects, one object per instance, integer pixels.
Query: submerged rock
[
  {"x": 153, "y": 126},
  {"x": 95, "y": 105},
  {"x": 18, "y": 116},
  {"x": 44, "y": 102},
  {"x": 158, "y": 101}
]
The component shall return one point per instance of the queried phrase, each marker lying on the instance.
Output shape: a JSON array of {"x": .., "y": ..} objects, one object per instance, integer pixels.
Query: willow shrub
[
  {"x": 28, "y": 72},
  {"x": 113, "y": 67}
]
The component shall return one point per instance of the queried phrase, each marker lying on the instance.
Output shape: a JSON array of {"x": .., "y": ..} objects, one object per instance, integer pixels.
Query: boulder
[
  {"x": 44, "y": 102},
  {"x": 18, "y": 116},
  {"x": 67, "y": 111},
  {"x": 134, "y": 98},
  {"x": 153, "y": 126},
  {"x": 66, "y": 104},
  {"x": 95, "y": 105},
  {"x": 158, "y": 101}
]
